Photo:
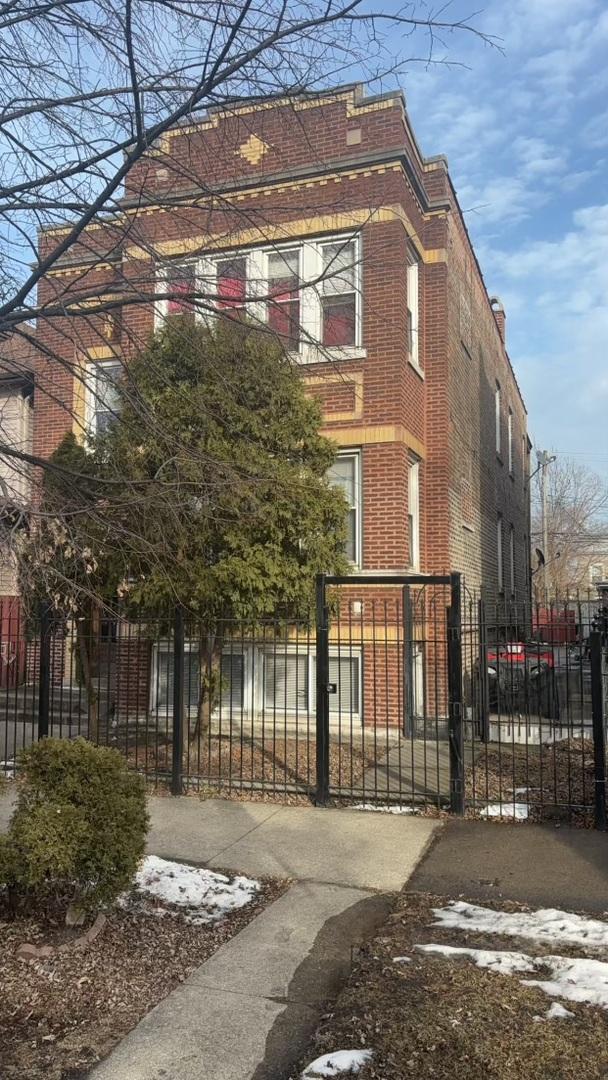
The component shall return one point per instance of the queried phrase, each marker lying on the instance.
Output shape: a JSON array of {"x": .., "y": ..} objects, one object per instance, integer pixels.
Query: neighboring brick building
[{"x": 398, "y": 337}]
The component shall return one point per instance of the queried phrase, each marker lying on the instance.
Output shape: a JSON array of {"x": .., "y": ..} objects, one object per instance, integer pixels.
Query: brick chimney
[{"x": 499, "y": 315}]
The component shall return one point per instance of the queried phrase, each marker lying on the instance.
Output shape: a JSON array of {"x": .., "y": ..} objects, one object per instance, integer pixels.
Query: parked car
[{"x": 521, "y": 679}]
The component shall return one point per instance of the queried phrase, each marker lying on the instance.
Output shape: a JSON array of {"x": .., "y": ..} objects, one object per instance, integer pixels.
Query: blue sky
[{"x": 526, "y": 136}]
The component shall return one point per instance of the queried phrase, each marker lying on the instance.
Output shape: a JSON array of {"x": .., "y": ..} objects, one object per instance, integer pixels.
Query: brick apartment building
[{"x": 327, "y": 206}]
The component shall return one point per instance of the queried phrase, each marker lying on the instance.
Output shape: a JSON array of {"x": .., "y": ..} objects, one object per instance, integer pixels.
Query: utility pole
[{"x": 544, "y": 460}]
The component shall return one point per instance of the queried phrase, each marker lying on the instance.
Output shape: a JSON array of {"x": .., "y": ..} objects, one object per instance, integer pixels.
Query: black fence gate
[{"x": 389, "y": 690}]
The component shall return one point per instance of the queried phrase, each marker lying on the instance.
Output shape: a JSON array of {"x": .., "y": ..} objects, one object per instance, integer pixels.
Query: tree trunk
[{"x": 209, "y": 659}]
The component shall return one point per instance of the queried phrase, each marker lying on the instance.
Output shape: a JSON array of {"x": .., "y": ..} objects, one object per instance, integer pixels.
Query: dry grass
[
  {"x": 272, "y": 762},
  {"x": 60, "y": 1015},
  {"x": 436, "y": 1019},
  {"x": 556, "y": 775}
]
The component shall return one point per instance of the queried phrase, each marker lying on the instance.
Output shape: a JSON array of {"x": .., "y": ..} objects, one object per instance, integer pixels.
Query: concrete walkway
[{"x": 249, "y": 1011}]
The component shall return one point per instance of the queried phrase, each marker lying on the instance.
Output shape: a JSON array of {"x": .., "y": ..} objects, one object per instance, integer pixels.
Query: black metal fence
[{"x": 401, "y": 692}]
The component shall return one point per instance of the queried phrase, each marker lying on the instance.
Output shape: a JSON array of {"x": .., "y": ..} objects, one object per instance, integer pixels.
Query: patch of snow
[
  {"x": 517, "y": 810},
  {"x": 202, "y": 896},
  {"x": 573, "y": 979},
  {"x": 379, "y": 809},
  {"x": 557, "y": 1012},
  {"x": 505, "y": 963},
  {"x": 402, "y": 959},
  {"x": 546, "y": 924},
  {"x": 337, "y": 1063}
]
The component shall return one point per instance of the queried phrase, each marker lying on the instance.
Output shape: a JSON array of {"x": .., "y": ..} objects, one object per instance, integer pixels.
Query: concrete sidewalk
[
  {"x": 337, "y": 846},
  {"x": 539, "y": 865}
]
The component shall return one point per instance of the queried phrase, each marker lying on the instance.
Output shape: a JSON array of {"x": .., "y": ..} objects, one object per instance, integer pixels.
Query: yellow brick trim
[
  {"x": 376, "y": 433},
  {"x": 101, "y": 352},
  {"x": 289, "y": 230},
  {"x": 355, "y": 379}
]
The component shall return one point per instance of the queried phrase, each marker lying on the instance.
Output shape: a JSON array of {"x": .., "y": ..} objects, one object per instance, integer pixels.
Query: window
[
  {"x": 179, "y": 280},
  {"x": 413, "y": 311},
  {"x": 413, "y": 505},
  {"x": 284, "y": 296},
  {"x": 510, "y": 439},
  {"x": 261, "y": 682},
  {"x": 163, "y": 681},
  {"x": 232, "y": 683},
  {"x": 499, "y": 555},
  {"x": 103, "y": 396},
  {"x": 512, "y": 559},
  {"x": 497, "y": 412},
  {"x": 344, "y": 473},
  {"x": 309, "y": 294},
  {"x": 231, "y": 286},
  {"x": 286, "y": 682},
  {"x": 338, "y": 293}
]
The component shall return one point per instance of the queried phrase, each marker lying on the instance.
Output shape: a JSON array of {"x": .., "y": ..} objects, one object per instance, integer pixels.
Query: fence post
[
  {"x": 322, "y": 717},
  {"x": 44, "y": 671},
  {"x": 484, "y": 687},
  {"x": 178, "y": 701},
  {"x": 599, "y": 736},
  {"x": 455, "y": 717}
]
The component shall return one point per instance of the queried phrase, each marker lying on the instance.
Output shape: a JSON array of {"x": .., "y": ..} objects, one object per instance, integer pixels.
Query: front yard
[
  {"x": 63, "y": 1010},
  {"x": 450, "y": 991}
]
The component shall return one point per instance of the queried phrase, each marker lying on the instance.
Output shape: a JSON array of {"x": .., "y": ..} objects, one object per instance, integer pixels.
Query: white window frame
[
  {"x": 510, "y": 439},
  {"x": 310, "y": 270},
  {"x": 413, "y": 308},
  {"x": 500, "y": 554},
  {"x": 498, "y": 417},
  {"x": 90, "y": 397},
  {"x": 253, "y": 681},
  {"x": 512, "y": 558},
  {"x": 355, "y": 452},
  {"x": 413, "y": 501}
]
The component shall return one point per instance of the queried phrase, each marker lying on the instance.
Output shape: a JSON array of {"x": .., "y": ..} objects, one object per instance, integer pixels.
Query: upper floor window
[
  {"x": 512, "y": 559},
  {"x": 338, "y": 289},
  {"x": 498, "y": 417},
  {"x": 180, "y": 283},
  {"x": 102, "y": 395},
  {"x": 308, "y": 294},
  {"x": 413, "y": 311},
  {"x": 284, "y": 296},
  {"x": 510, "y": 440},
  {"x": 345, "y": 473}
]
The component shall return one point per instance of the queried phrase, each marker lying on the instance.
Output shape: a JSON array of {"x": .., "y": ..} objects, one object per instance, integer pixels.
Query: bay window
[{"x": 308, "y": 294}]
